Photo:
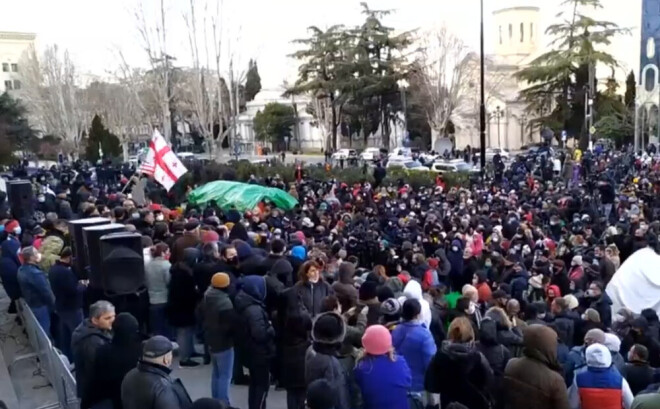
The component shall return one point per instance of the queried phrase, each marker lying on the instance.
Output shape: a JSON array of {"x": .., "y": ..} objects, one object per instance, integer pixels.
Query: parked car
[
  {"x": 344, "y": 154},
  {"x": 456, "y": 165},
  {"x": 370, "y": 154},
  {"x": 401, "y": 152},
  {"x": 406, "y": 164}
]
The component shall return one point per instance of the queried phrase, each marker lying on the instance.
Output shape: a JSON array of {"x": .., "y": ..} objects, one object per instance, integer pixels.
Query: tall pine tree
[
  {"x": 252, "y": 81},
  {"x": 100, "y": 136},
  {"x": 631, "y": 90}
]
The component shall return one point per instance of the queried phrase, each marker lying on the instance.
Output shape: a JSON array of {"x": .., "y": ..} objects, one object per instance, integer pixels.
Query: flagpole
[{"x": 129, "y": 181}]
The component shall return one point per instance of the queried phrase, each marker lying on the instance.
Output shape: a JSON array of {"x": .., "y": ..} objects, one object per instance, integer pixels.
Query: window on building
[
  {"x": 500, "y": 34},
  {"x": 522, "y": 32},
  {"x": 14, "y": 67},
  {"x": 510, "y": 32},
  {"x": 531, "y": 31},
  {"x": 17, "y": 84},
  {"x": 8, "y": 85},
  {"x": 5, "y": 67}
]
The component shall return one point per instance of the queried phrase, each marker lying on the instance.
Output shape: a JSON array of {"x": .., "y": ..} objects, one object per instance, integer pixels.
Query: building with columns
[
  {"x": 13, "y": 45},
  {"x": 647, "y": 120},
  {"x": 517, "y": 42}
]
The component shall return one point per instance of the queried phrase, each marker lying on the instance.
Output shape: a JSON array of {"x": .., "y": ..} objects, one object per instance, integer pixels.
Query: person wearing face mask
[
  {"x": 35, "y": 287},
  {"x": 149, "y": 385},
  {"x": 310, "y": 290},
  {"x": 600, "y": 301}
]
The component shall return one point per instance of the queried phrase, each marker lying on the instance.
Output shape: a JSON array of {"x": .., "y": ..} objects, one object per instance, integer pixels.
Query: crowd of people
[{"x": 364, "y": 296}]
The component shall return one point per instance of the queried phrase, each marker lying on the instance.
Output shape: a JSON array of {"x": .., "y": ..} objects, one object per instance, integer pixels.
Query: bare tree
[
  {"x": 153, "y": 33},
  {"x": 444, "y": 72},
  {"x": 53, "y": 96}
]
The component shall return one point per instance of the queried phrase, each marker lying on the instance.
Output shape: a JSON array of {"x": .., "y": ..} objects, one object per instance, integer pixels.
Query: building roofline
[
  {"x": 516, "y": 8},
  {"x": 15, "y": 35}
]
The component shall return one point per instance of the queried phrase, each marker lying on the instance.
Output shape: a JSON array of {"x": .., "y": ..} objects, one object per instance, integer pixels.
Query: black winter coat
[
  {"x": 255, "y": 334},
  {"x": 85, "y": 342},
  {"x": 219, "y": 320},
  {"x": 294, "y": 344},
  {"x": 565, "y": 327},
  {"x": 639, "y": 376},
  {"x": 150, "y": 386},
  {"x": 113, "y": 362},
  {"x": 309, "y": 296},
  {"x": 460, "y": 374},
  {"x": 202, "y": 272},
  {"x": 182, "y": 297}
]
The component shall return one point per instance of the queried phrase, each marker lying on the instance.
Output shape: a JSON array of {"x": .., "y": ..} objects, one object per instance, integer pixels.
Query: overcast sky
[{"x": 93, "y": 29}]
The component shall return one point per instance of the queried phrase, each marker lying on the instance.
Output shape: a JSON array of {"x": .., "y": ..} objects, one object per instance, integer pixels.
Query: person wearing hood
[
  {"x": 368, "y": 298},
  {"x": 536, "y": 378},
  {"x": 344, "y": 288},
  {"x": 507, "y": 334},
  {"x": 182, "y": 299},
  {"x": 414, "y": 342},
  {"x": 255, "y": 337},
  {"x": 321, "y": 360},
  {"x": 458, "y": 371},
  {"x": 455, "y": 257},
  {"x": 384, "y": 378},
  {"x": 297, "y": 257},
  {"x": 600, "y": 385},
  {"x": 576, "y": 276},
  {"x": 9, "y": 262},
  {"x": 218, "y": 322},
  {"x": 613, "y": 344},
  {"x": 90, "y": 335},
  {"x": 276, "y": 260},
  {"x": 413, "y": 290},
  {"x": 115, "y": 359},
  {"x": 496, "y": 354}
]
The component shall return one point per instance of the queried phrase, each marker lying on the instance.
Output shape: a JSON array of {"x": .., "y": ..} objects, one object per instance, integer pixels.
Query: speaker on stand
[
  {"x": 80, "y": 261},
  {"x": 21, "y": 199},
  {"x": 92, "y": 241}
]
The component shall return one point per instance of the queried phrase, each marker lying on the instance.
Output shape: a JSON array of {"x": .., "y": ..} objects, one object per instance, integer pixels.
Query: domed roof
[{"x": 503, "y": 5}]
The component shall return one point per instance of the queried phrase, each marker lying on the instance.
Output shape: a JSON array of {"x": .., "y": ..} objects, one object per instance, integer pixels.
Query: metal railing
[{"x": 49, "y": 361}]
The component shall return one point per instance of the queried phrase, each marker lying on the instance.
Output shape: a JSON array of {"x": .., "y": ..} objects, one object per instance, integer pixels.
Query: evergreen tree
[
  {"x": 16, "y": 134},
  {"x": 275, "y": 124},
  {"x": 559, "y": 77},
  {"x": 631, "y": 90},
  {"x": 252, "y": 81},
  {"x": 100, "y": 136}
]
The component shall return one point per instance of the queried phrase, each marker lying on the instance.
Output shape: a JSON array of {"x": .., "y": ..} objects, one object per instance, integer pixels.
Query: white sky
[{"x": 92, "y": 29}]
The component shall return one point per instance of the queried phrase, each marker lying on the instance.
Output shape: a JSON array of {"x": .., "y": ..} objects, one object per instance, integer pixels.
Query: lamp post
[
  {"x": 498, "y": 116},
  {"x": 482, "y": 105},
  {"x": 522, "y": 119},
  {"x": 403, "y": 86}
]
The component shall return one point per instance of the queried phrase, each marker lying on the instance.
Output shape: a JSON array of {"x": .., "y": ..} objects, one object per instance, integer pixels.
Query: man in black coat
[
  {"x": 255, "y": 337},
  {"x": 149, "y": 385},
  {"x": 90, "y": 335},
  {"x": 637, "y": 371},
  {"x": 600, "y": 302},
  {"x": 212, "y": 263},
  {"x": 563, "y": 322}
]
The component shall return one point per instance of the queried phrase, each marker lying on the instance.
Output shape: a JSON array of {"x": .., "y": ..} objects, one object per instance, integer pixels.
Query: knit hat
[
  {"x": 209, "y": 236},
  {"x": 11, "y": 225},
  {"x": 328, "y": 328},
  {"x": 612, "y": 342},
  {"x": 572, "y": 301},
  {"x": 368, "y": 290},
  {"x": 220, "y": 280},
  {"x": 391, "y": 306},
  {"x": 243, "y": 250},
  {"x": 321, "y": 395},
  {"x": 377, "y": 340}
]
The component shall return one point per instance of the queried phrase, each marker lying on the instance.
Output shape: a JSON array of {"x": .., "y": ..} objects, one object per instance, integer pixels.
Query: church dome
[{"x": 517, "y": 28}]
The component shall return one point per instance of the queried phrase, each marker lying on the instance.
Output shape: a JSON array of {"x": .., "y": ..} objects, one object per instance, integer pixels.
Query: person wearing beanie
[
  {"x": 600, "y": 385},
  {"x": 218, "y": 321},
  {"x": 114, "y": 360},
  {"x": 391, "y": 313},
  {"x": 414, "y": 342},
  {"x": 368, "y": 297},
  {"x": 383, "y": 377},
  {"x": 321, "y": 362},
  {"x": 320, "y": 395}
]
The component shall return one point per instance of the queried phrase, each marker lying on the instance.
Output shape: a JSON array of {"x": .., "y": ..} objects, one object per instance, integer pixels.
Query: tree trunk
[
  {"x": 333, "y": 143},
  {"x": 124, "y": 150},
  {"x": 167, "y": 120}
]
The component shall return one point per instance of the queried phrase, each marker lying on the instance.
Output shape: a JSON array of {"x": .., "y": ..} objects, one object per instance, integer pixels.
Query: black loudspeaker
[
  {"x": 122, "y": 265},
  {"x": 21, "y": 199},
  {"x": 78, "y": 242},
  {"x": 92, "y": 239}
]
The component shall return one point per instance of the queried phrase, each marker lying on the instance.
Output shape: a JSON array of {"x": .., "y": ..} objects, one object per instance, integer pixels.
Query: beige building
[
  {"x": 12, "y": 47},
  {"x": 517, "y": 41}
]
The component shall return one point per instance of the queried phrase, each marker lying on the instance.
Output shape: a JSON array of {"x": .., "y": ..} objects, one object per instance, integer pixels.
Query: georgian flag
[{"x": 162, "y": 163}]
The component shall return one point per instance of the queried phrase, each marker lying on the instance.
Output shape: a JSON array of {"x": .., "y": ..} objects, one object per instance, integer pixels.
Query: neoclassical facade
[
  {"x": 13, "y": 46},
  {"x": 647, "y": 120},
  {"x": 517, "y": 42}
]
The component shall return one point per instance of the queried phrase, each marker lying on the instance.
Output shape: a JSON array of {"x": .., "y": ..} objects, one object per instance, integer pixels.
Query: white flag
[{"x": 162, "y": 163}]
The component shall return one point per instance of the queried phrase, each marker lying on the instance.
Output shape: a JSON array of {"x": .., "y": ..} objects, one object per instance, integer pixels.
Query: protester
[
  {"x": 157, "y": 279},
  {"x": 384, "y": 378},
  {"x": 458, "y": 371},
  {"x": 219, "y": 321},
  {"x": 35, "y": 288},
  {"x": 637, "y": 372},
  {"x": 91, "y": 334},
  {"x": 182, "y": 298},
  {"x": 149, "y": 385}
]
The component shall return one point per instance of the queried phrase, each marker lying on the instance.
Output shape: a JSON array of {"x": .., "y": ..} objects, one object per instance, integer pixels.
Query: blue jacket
[
  {"x": 9, "y": 268},
  {"x": 35, "y": 287},
  {"x": 415, "y": 343},
  {"x": 66, "y": 288},
  {"x": 384, "y": 384}
]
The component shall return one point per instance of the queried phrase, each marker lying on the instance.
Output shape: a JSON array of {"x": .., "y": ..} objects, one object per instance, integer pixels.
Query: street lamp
[
  {"x": 498, "y": 116},
  {"x": 403, "y": 86},
  {"x": 522, "y": 119}
]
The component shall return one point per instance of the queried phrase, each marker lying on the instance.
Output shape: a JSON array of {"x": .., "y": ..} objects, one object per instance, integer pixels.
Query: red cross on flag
[{"x": 162, "y": 163}]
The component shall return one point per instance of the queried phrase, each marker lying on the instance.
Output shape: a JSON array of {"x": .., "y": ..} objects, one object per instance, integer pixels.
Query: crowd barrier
[{"x": 49, "y": 361}]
